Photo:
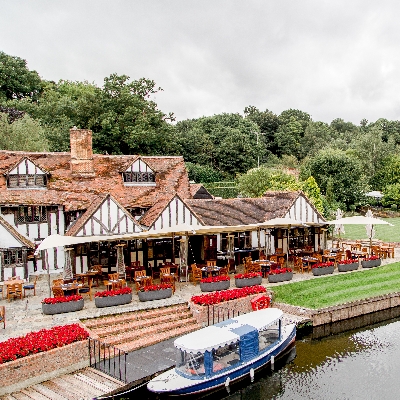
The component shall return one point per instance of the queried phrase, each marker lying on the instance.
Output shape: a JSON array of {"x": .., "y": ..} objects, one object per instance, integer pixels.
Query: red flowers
[
  {"x": 65, "y": 299},
  {"x": 370, "y": 258},
  {"x": 248, "y": 275},
  {"x": 215, "y": 279},
  {"x": 43, "y": 340},
  {"x": 324, "y": 265},
  {"x": 279, "y": 271},
  {"x": 152, "y": 288},
  {"x": 348, "y": 261},
  {"x": 108, "y": 293},
  {"x": 226, "y": 295}
]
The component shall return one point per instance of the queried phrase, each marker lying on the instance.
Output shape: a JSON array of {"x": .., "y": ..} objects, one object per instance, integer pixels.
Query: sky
[{"x": 332, "y": 59}]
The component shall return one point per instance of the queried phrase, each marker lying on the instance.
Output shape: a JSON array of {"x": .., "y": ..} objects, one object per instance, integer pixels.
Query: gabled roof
[
  {"x": 20, "y": 162},
  {"x": 198, "y": 191},
  {"x": 13, "y": 232},
  {"x": 75, "y": 193},
  {"x": 241, "y": 211},
  {"x": 89, "y": 213}
]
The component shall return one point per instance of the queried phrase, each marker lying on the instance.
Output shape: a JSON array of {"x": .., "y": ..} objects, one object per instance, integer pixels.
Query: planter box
[
  {"x": 248, "y": 281},
  {"x": 213, "y": 286},
  {"x": 371, "y": 263},
  {"x": 287, "y": 276},
  {"x": 155, "y": 294},
  {"x": 323, "y": 271},
  {"x": 110, "y": 301},
  {"x": 58, "y": 308},
  {"x": 347, "y": 267}
]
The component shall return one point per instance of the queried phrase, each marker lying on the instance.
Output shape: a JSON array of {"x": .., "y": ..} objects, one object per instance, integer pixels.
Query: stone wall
[
  {"x": 36, "y": 368},
  {"x": 343, "y": 311}
]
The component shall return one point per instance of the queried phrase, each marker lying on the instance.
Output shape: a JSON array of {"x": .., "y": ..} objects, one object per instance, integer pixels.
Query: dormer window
[
  {"x": 26, "y": 175},
  {"x": 139, "y": 173}
]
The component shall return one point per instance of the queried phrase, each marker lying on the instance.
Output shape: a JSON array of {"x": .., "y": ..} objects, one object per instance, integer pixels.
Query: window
[
  {"x": 190, "y": 364},
  {"x": 139, "y": 177},
  {"x": 12, "y": 256},
  {"x": 26, "y": 180},
  {"x": 31, "y": 214},
  {"x": 268, "y": 336}
]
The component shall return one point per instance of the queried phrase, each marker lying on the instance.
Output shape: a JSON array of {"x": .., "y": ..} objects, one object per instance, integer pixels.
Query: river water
[{"x": 360, "y": 363}]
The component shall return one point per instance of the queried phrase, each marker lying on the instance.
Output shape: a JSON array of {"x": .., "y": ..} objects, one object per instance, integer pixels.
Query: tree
[
  {"x": 202, "y": 173},
  {"x": 312, "y": 191},
  {"x": 317, "y": 136},
  {"x": 259, "y": 180},
  {"x": 391, "y": 195},
  {"x": 16, "y": 80},
  {"x": 24, "y": 134},
  {"x": 342, "y": 170}
]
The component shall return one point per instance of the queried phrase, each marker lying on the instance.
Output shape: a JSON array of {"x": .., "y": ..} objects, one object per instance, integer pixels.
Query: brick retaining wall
[
  {"x": 343, "y": 311},
  {"x": 40, "y": 367}
]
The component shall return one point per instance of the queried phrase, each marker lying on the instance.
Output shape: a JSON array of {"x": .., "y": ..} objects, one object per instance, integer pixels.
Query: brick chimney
[{"x": 81, "y": 152}]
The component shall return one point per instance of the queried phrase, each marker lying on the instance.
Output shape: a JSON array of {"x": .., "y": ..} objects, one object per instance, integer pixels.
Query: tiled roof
[
  {"x": 24, "y": 241},
  {"x": 198, "y": 191},
  {"x": 243, "y": 210},
  {"x": 76, "y": 193}
]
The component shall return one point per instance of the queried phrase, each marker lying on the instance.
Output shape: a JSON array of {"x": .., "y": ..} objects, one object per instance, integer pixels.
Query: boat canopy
[{"x": 227, "y": 332}]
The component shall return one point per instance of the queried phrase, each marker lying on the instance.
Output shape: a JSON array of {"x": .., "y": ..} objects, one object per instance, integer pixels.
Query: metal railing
[
  {"x": 217, "y": 313},
  {"x": 108, "y": 359}
]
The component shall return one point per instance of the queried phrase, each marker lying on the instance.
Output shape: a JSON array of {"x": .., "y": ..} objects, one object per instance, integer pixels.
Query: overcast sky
[{"x": 332, "y": 59}]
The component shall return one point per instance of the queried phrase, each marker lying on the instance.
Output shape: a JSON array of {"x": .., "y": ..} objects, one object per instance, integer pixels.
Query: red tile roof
[
  {"x": 13, "y": 232},
  {"x": 76, "y": 193}
]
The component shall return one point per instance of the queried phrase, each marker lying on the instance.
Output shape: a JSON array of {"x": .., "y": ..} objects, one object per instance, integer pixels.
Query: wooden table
[
  {"x": 71, "y": 288},
  {"x": 11, "y": 282},
  {"x": 210, "y": 271},
  {"x": 310, "y": 261},
  {"x": 90, "y": 275}
]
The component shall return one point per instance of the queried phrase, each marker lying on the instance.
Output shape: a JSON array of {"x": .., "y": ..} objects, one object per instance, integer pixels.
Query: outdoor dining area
[{"x": 16, "y": 288}]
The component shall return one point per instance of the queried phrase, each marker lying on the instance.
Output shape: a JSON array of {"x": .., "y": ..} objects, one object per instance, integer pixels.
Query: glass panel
[
  {"x": 190, "y": 364},
  {"x": 268, "y": 336},
  {"x": 225, "y": 356}
]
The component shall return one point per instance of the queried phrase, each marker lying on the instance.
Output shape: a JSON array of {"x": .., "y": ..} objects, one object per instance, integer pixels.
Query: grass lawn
[
  {"x": 338, "y": 289},
  {"x": 386, "y": 233}
]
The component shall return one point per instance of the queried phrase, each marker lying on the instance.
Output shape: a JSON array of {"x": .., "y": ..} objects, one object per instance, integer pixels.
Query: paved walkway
[{"x": 25, "y": 315}]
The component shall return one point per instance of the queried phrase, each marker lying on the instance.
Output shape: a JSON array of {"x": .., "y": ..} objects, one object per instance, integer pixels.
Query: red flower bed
[
  {"x": 64, "y": 299},
  {"x": 43, "y": 340},
  {"x": 226, "y": 295},
  {"x": 324, "y": 265},
  {"x": 248, "y": 275},
  {"x": 347, "y": 261},
  {"x": 280, "y": 271},
  {"x": 215, "y": 279},
  {"x": 152, "y": 288},
  {"x": 371, "y": 258},
  {"x": 108, "y": 293}
]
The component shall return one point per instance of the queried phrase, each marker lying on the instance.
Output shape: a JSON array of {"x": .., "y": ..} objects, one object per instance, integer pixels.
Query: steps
[
  {"x": 81, "y": 385},
  {"x": 137, "y": 329}
]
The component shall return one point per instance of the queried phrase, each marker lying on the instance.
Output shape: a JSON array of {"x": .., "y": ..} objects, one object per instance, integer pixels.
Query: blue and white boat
[{"x": 218, "y": 355}]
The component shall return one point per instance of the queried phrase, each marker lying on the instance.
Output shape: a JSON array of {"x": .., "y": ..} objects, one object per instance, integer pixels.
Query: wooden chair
[
  {"x": 297, "y": 264},
  {"x": 31, "y": 286},
  {"x": 355, "y": 246},
  {"x": 14, "y": 290},
  {"x": 57, "y": 291},
  {"x": 256, "y": 267},
  {"x": 196, "y": 274},
  {"x": 3, "y": 316},
  {"x": 212, "y": 263},
  {"x": 138, "y": 278},
  {"x": 223, "y": 271},
  {"x": 58, "y": 282},
  {"x": 87, "y": 290},
  {"x": 281, "y": 262},
  {"x": 99, "y": 273},
  {"x": 273, "y": 258},
  {"x": 169, "y": 280}
]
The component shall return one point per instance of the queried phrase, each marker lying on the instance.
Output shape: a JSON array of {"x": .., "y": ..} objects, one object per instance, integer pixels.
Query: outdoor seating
[
  {"x": 31, "y": 286},
  {"x": 223, "y": 271},
  {"x": 297, "y": 264},
  {"x": 58, "y": 282},
  {"x": 57, "y": 291},
  {"x": 14, "y": 291},
  {"x": 86, "y": 290},
  {"x": 212, "y": 263},
  {"x": 196, "y": 274},
  {"x": 3, "y": 316},
  {"x": 139, "y": 275}
]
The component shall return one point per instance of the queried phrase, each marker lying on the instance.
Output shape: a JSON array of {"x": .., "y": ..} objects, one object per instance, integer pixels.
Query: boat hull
[{"x": 216, "y": 382}]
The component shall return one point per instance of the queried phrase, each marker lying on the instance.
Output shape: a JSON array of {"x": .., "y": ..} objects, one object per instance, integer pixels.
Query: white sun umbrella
[{"x": 360, "y": 220}]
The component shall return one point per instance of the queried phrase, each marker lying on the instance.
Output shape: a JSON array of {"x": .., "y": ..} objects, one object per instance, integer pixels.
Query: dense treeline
[{"x": 334, "y": 163}]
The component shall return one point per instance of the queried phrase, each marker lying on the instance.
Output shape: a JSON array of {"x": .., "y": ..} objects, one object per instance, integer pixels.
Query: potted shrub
[
  {"x": 58, "y": 305},
  {"x": 155, "y": 292},
  {"x": 280, "y": 275},
  {"x": 347, "y": 265},
  {"x": 110, "y": 298},
  {"x": 323, "y": 268},
  {"x": 215, "y": 283},
  {"x": 370, "y": 262},
  {"x": 249, "y": 279}
]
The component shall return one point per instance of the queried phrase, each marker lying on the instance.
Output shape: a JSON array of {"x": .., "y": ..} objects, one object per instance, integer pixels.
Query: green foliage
[
  {"x": 259, "y": 180},
  {"x": 312, "y": 191},
  {"x": 202, "y": 173},
  {"x": 388, "y": 172},
  {"x": 339, "y": 289},
  {"x": 391, "y": 195},
  {"x": 16, "y": 81},
  {"x": 341, "y": 171},
  {"x": 24, "y": 134},
  {"x": 224, "y": 189}
]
